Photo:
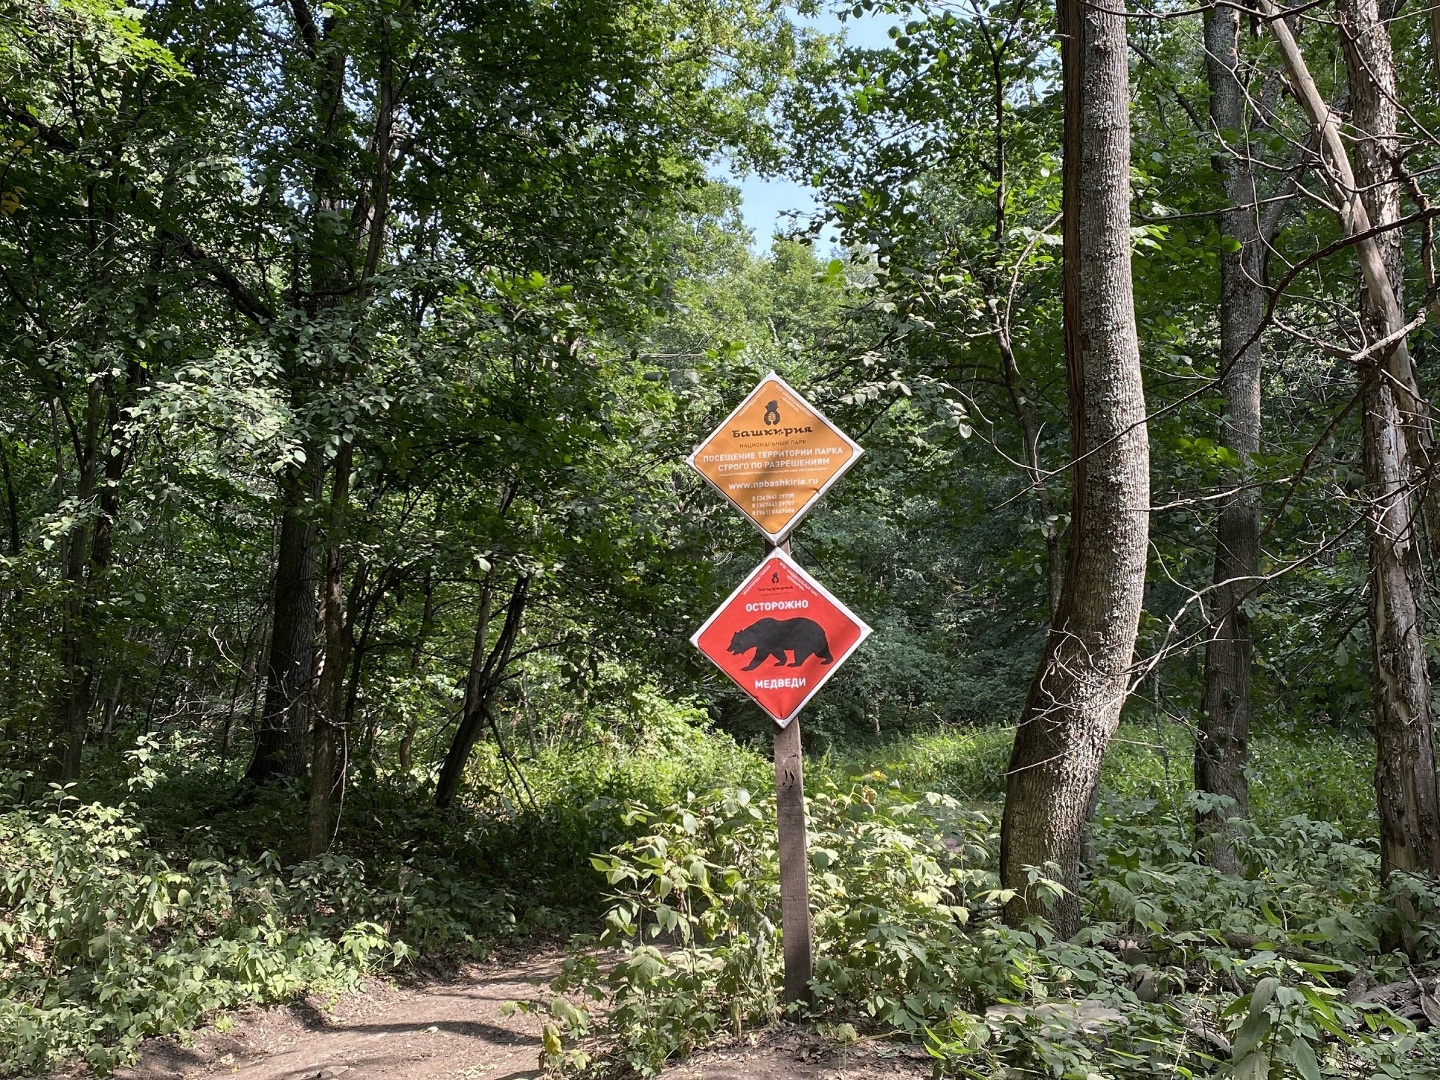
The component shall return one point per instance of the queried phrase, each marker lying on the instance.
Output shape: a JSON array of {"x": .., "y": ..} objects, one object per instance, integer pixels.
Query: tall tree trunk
[
  {"x": 280, "y": 733},
  {"x": 417, "y": 657},
  {"x": 92, "y": 546},
  {"x": 330, "y": 691},
  {"x": 1074, "y": 702},
  {"x": 1393, "y": 426},
  {"x": 1405, "y": 783},
  {"x": 77, "y": 660},
  {"x": 1380, "y": 286},
  {"x": 289, "y": 702},
  {"x": 1221, "y": 746},
  {"x": 334, "y": 256}
]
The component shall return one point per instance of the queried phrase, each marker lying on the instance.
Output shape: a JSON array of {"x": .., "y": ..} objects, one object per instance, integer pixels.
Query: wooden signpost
[{"x": 781, "y": 634}]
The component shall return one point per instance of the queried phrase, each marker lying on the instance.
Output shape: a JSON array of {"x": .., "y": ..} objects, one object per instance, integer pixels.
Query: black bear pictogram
[
  {"x": 772, "y": 413},
  {"x": 775, "y": 637}
]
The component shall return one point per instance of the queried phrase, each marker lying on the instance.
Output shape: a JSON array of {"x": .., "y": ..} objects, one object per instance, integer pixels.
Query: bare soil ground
[
  {"x": 786, "y": 1052},
  {"x": 452, "y": 1028}
]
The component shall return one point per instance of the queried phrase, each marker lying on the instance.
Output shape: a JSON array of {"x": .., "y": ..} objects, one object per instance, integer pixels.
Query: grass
[{"x": 1294, "y": 769}]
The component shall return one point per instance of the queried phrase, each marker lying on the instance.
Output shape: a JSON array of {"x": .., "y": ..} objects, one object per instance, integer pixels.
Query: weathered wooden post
[
  {"x": 773, "y": 458},
  {"x": 794, "y": 863}
]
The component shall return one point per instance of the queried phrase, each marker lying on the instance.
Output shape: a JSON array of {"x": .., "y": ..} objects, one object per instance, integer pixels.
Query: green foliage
[
  {"x": 966, "y": 765},
  {"x": 106, "y": 942},
  {"x": 128, "y": 918},
  {"x": 581, "y": 797},
  {"x": 896, "y": 880},
  {"x": 704, "y": 880},
  {"x": 1316, "y": 770},
  {"x": 1180, "y": 971},
  {"x": 895, "y": 883},
  {"x": 491, "y": 266}
]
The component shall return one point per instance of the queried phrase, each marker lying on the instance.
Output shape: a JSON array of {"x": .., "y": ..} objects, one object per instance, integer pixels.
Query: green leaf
[
  {"x": 1304, "y": 1059},
  {"x": 1264, "y": 992},
  {"x": 1255, "y": 1028}
]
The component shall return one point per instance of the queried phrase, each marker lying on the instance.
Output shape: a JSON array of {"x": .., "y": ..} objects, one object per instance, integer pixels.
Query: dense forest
[{"x": 349, "y": 555}]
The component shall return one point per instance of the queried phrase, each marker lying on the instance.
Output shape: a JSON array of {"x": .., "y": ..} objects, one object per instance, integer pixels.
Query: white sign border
[
  {"x": 830, "y": 669},
  {"x": 809, "y": 504}
]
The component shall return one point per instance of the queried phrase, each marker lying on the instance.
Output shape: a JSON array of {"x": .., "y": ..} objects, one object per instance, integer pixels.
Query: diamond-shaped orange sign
[
  {"x": 774, "y": 456},
  {"x": 780, "y": 636}
]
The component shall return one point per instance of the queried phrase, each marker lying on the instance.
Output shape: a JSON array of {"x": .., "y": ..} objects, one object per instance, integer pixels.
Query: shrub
[
  {"x": 103, "y": 942},
  {"x": 1181, "y": 972},
  {"x": 895, "y": 881},
  {"x": 127, "y": 913}
]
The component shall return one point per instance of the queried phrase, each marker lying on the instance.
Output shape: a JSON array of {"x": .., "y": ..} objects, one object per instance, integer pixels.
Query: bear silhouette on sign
[
  {"x": 775, "y": 637},
  {"x": 772, "y": 413}
]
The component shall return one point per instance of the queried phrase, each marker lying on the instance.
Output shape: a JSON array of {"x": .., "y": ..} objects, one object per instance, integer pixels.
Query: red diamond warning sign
[
  {"x": 780, "y": 636},
  {"x": 774, "y": 456}
]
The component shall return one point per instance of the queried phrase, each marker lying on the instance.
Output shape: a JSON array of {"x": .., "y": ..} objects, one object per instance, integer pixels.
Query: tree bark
[
  {"x": 1222, "y": 742},
  {"x": 330, "y": 689},
  {"x": 280, "y": 734},
  {"x": 1405, "y": 783},
  {"x": 77, "y": 659},
  {"x": 1380, "y": 285},
  {"x": 1074, "y": 702},
  {"x": 486, "y": 671},
  {"x": 280, "y": 739},
  {"x": 339, "y": 260}
]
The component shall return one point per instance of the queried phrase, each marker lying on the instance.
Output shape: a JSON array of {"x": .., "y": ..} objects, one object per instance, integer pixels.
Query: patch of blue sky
[{"x": 777, "y": 204}]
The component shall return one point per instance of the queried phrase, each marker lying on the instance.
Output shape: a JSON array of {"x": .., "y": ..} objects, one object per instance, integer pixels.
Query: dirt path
[
  {"x": 452, "y": 1028},
  {"x": 449, "y": 1028}
]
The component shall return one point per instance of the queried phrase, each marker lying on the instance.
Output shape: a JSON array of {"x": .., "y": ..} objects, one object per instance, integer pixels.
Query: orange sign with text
[
  {"x": 780, "y": 636},
  {"x": 774, "y": 456}
]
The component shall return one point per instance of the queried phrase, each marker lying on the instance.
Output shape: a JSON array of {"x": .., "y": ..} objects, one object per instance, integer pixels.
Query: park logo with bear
[{"x": 774, "y": 456}]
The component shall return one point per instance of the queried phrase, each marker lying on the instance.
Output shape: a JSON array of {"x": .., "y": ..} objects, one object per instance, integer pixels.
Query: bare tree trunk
[
  {"x": 280, "y": 733},
  {"x": 1405, "y": 783},
  {"x": 329, "y": 693},
  {"x": 1222, "y": 743},
  {"x": 1355, "y": 218},
  {"x": 78, "y": 613},
  {"x": 486, "y": 671},
  {"x": 1074, "y": 702},
  {"x": 417, "y": 657}
]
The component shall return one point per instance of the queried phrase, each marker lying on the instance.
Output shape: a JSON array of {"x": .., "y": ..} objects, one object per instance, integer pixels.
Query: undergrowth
[
  {"x": 1293, "y": 769},
  {"x": 126, "y": 913},
  {"x": 169, "y": 891},
  {"x": 1181, "y": 971}
]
